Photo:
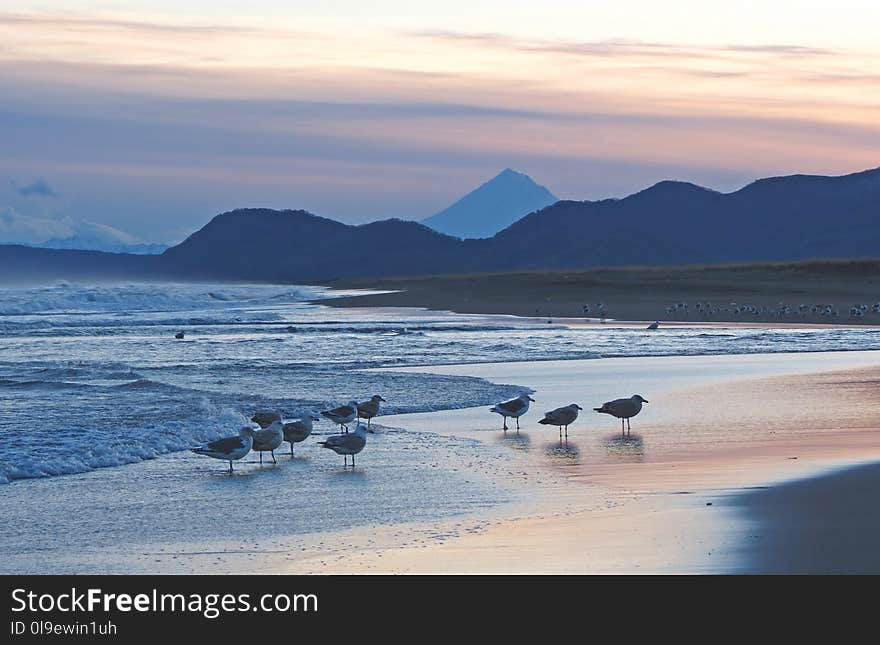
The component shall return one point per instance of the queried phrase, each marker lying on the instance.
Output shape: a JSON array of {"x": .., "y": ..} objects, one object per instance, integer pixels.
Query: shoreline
[
  {"x": 637, "y": 294},
  {"x": 665, "y": 500}
]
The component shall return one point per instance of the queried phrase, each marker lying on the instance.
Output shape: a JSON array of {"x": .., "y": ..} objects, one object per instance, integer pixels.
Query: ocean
[{"x": 92, "y": 376}]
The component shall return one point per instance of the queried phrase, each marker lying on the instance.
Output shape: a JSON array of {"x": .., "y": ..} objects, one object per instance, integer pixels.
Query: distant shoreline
[{"x": 781, "y": 295}]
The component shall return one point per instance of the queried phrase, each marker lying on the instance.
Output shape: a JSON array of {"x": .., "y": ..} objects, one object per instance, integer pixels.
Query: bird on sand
[
  {"x": 654, "y": 325},
  {"x": 561, "y": 417},
  {"x": 623, "y": 409},
  {"x": 347, "y": 444},
  {"x": 265, "y": 419},
  {"x": 179, "y": 335},
  {"x": 515, "y": 408},
  {"x": 268, "y": 439},
  {"x": 297, "y": 431},
  {"x": 343, "y": 415},
  {"x": 368, "y": 409},
  {"x": 230, "y": 448}
]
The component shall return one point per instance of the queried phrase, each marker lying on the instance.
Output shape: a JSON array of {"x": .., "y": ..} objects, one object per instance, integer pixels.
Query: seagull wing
[
  {"x": 513, "y": 405},
  {"x": 229, "y": 444}
]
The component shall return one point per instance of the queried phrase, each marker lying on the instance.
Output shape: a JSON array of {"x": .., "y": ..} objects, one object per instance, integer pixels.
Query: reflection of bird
[
  {"x": 368, "y": 409},
  {"x": 629, "y": 447},
  {"x": 268, "y": 439},
  {"x": 515, "y": 408},
  {"x": 297, "y": 431},
  {"x": 347, "y": 444},
  {"x": 654, "y": 325},
  {"x": 343, "y": 415},
  {"x": 229, "y": 449},
  {"x": 561, "y": 417},
  {"x": 265, "y": 419},
  {"x": 623, "y": 409}
]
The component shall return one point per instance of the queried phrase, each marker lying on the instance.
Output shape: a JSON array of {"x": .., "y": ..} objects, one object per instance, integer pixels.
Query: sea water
[
  {"x": 99, "y": 403},
  {"x": 92, "y": 375}
]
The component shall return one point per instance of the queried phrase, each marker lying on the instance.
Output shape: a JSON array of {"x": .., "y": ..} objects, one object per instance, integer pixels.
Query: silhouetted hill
[
  {"x": 263, "y": 244},
  {"x": 671, "y": 223},
  {"x": 492, "y": 207},
  {"x": 25, "y": 263}
]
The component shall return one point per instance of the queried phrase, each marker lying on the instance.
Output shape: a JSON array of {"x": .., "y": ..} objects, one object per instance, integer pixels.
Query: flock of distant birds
[
  {"x": 273, "y": 431},
  {"x": 822, "y": 310}
]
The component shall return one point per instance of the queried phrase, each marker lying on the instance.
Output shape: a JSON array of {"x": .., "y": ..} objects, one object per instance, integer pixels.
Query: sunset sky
[{"x": 151, "y": 118}]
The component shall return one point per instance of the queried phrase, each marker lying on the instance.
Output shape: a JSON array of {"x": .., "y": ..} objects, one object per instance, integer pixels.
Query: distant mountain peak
[{"x": 492, "y": 206}]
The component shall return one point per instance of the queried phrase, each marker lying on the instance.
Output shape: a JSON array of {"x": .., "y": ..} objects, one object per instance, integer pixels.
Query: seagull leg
[
  {"x": 352, "y": 462},
  {"x": 345, "y": 461},
  {"x": 291, "y": 450},
  {"x": 261, "y": 456},
  {"x": 230, "y": 466},
  {"x": 272, "y": 452},
  {"x": 517, "y": 424}
]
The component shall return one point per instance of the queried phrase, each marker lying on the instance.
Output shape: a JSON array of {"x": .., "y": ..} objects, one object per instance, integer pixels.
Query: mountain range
[
  {"x": 671, "y": 223},
  {"x": 492, "y": 207}
]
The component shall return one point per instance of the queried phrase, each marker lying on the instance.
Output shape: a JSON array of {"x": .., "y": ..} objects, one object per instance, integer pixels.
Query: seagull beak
[{"x": 531, "y": 399}]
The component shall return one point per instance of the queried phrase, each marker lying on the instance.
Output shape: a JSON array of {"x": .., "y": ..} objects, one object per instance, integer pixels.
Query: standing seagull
[
  {"x": 297, "y": 431},
  {"x": 343, "y": 415},
  {"x": 229, "y": 449},
  {"x": 623, "y": 408},
  {"x": 368, "y": 409},
  {"x": 268, "y": 439},
  {"x": 561, "y": 417},
  {"x": 347, "y": 444},
  {"x": 515, "y": 408}
]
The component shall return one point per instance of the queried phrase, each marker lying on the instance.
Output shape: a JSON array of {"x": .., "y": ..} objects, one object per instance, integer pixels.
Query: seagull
[
  {"x": 297, "y": 431},
  {"x": 343, "y": 415},
  {"x": 268, "y": 438},
  {"x": 561, "y": 417},
  {"x": 654, "y": 325},
  {"x": 368, "y": 409},
  {"x": 515, "y": 408},
  {"x": 623, "y": 408},
  {"x": 265, "y": 419},
  {"x": 230, "y": 448},
  {"x": 347, "y": 444}
]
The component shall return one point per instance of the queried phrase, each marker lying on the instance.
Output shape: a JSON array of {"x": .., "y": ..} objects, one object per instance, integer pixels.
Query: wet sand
[
  {"x": 700, "y": 485},
  {"x": 639, "y": 294}
]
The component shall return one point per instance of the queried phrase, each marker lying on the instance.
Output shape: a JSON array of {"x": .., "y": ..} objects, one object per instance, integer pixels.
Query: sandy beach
[
  {"x": 678, "y": 496},
  {"x": 642, "y": 294},
  {"x": 733, "y": 458}
]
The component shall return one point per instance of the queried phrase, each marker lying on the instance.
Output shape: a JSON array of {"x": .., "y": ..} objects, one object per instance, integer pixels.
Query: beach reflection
[
  {"x": 627, "y": 448},
  {"x": 563, "y": 451},
  {"x": 516, "y": 441}
]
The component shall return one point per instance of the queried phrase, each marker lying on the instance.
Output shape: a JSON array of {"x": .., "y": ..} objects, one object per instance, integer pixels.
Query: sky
[{"x": 152, "y": 117}]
